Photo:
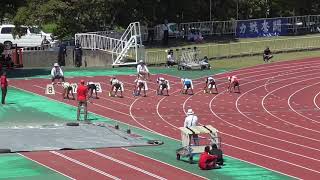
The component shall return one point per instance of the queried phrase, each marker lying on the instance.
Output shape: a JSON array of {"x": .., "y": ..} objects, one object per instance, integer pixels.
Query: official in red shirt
[
  {"x": 207, "y": 161},
  {"x": 82, "y": 93},
  {"x": 4, "y": 87}
]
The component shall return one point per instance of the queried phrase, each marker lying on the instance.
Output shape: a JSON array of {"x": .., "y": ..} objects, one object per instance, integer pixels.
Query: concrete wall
[{"x": 47, "y": 58}]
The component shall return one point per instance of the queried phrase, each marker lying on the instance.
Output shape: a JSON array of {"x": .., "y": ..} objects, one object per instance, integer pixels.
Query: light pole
[
  {"x": 237, "y": 9},
  {"x": 210, "y": 10},
  {"x": 267, "y": 9}
]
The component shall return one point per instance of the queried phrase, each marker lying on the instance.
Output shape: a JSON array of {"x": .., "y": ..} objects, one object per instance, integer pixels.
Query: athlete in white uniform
[
  {"x": 139, "y": 84},
  {"x": 67, "y": 89},
  {"x": 117, "y": 86},
  {"x": 233, "y": 83},
  {"x": 210, "y": 84},
  {"x": 163, "y": 84}
]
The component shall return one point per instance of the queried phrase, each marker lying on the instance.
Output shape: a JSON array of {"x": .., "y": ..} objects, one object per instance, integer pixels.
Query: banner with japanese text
[{"x": 262, "y": 28}]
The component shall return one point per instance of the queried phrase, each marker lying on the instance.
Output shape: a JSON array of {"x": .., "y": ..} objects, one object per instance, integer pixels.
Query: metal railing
[
  {"x": 217, "y": 51},
  {"x": 97, "y": 42},
  {"x": 131, "y": 38}
]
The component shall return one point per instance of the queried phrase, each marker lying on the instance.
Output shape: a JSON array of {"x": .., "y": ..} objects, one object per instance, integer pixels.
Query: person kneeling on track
[
  {"x": 163, "y": 85},
  {"x": 233, "y": 83},
  {"x": 92, "y": 87},
  {"x": 56, "y": 73},
  {"x": 207, "y": 161},
  {"x": 67, "y": 89},
  {"x": 186, "y": 85},
  {"x": 140, "y": 84},
  {"x": 116, "y": 86},
  {"x": 210, "y": 83}
]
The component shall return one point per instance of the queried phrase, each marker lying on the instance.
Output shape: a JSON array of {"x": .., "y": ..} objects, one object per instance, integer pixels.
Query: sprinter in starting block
[
  {"x": 140, "y": 84},
  {"x": 92, "y": 88},
  {"x": 116, "y": 86},
  {"x": 67, "y": 89},
  {"x": 210, "y": 84},
  {"x": 186, "y": 85},
  {"x": 163, "y": 85},
  {"x": 233, "y": 83}
]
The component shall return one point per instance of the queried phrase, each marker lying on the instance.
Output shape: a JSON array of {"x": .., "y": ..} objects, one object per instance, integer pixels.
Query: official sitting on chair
[
  {"x": 56, "y": 73},
  {"x": 163, "y": 85}
]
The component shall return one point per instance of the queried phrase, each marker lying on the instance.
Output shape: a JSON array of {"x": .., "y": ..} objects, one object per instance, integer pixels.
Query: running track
[{"x": 273, "y": 123}]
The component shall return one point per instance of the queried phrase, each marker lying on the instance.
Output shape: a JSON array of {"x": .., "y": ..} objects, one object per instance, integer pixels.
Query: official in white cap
[
  {"x": 56, "y": 73},
  {"x": 190, "y": 121},
  {"x": 143, "y": 70}
]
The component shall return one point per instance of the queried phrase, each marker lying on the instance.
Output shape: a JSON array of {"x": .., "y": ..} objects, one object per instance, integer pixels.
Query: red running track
[{"x": 273, "y": 123}]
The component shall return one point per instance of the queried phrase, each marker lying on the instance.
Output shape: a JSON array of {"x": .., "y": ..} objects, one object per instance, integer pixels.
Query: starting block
[{"x": 50, "y": 89}]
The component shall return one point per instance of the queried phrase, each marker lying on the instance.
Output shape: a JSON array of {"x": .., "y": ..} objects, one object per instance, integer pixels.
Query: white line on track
[
  {"x": 85, "y": 165},
  {"x": 289, "y": 100},
  {"x": 126, "y": 164},
  {"x": 46, "y": 166}
]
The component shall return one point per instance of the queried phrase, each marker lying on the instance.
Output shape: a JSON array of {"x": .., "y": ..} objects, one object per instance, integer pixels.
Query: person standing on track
[
  {"x": 143, "y": 70},
  {"x": 190, "y": 121},
  {"x": 82, "y": 98},
  {"x": 4, "y": 86}
]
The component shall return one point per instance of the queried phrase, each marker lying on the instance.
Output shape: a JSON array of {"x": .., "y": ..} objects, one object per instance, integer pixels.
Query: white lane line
[
  {"x": 126, "y": 164},
  {"x": 46, "y": 166},
  {"x": 290, "y": 97},
  {"x": 85, "y": 165},
  {"x": 264, "y": 107}
]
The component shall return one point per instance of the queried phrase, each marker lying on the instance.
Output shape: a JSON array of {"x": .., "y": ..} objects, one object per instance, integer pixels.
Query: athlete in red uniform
[{"x": 4, "y": 87}]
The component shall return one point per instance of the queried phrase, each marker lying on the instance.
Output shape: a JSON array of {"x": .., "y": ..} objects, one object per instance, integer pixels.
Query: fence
[{"x": 217, "y": 51}]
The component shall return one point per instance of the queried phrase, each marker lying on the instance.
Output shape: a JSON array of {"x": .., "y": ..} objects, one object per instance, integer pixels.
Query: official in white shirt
[
  {"x": 143, "y": 70},
  {"x": 190, "y": 121},
  {"x": 56, "y": 73}
]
